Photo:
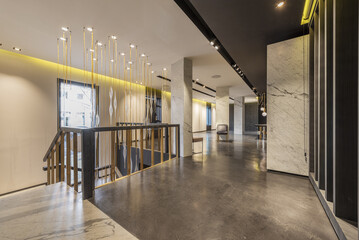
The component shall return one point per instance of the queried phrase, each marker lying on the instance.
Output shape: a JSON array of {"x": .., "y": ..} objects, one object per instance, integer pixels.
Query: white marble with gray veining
[
  {"x": 287, "y": 106},
  {"x": 239, "y": 120},
  {"x": 55, "y": 212},
  {"x": 181, "y": 102}
]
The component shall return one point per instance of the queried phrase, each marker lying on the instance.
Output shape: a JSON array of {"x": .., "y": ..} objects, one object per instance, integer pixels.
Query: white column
[
  {"x": 239, "y": 117},
  {"x": 181, "y": 102},
  {"x": 222, "y": 105}
]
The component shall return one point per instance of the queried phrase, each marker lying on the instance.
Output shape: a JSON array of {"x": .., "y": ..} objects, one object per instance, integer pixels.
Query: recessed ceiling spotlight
[
  {"x": 17, "y": 49},
  {"x": 129, "y": 62},
  {"x": 99, "y": 43},
  {"x": 264, "y": 114},
  {"x": 143, "y": 55},
  {"x": 62, "y": 39},
  {"x": 65, "y": 29},
  {"x": 91, "y": 50},
  {"x": 280, "y": 4},
  {"x": 234, "y": 65},
  {"x": 216, "y": 47},
  {"x": 94, "y": 59},
  {"x": 132, "y": 45},
  {"x": 111, "y": 60},
  {"x": 114, "y": 37},
  {"x": 122, "y": 54},
  {"x": 204, "y": 86},
  {"x": 128, "y": 68},
  {"x": 149, "y": 64},
  {"x": 197, "y": 79},
  {"x": 164, "y": 69},
  {"x": 152, "y": 71},
  {"x": 211, "y": 42},
  {"x": 141, "y": 83},
  {"x": 90, "y": 29}
]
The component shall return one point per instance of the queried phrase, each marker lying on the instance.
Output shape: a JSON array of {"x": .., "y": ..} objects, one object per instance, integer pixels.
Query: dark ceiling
[{"x": 246, "y": 27}]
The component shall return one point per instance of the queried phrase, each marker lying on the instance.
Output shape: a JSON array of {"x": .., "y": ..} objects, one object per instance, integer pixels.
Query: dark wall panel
[
  {"x": 346, "y": 109},
  {"x": 251, "y": 116},
  {"x": 329, "y": 101},
  {"x": 311, "y": 99},
  {"x": 321, "y": 106},
  {"x": 231, "y": 117},
  {"x": 316, "y": 61}
]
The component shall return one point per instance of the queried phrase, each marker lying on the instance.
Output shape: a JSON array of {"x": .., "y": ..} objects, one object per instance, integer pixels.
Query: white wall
[
  {"x": 28, "y": 115},
  {"x": 199, "y": 116},
  {"x": 214, "y": 122}
]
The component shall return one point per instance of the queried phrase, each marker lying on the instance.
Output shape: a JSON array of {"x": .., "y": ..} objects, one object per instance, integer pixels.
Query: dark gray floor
[{"x": 224, "y": 194}]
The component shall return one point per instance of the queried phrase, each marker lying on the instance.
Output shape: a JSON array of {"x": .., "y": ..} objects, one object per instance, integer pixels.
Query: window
[{"x": 76, "y": 104}]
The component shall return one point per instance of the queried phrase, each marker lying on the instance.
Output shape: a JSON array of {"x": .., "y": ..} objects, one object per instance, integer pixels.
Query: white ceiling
[{"x": 158, "y": 27}]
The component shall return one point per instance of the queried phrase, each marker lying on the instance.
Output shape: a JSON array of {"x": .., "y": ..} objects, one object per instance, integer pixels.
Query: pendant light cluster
[
  {"x": 104, "y": 65},
  {"x": 263, "y": 104}
]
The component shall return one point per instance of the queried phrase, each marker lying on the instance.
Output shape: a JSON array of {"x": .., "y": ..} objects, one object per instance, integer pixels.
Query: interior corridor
[{"x": 226, "y": 193}]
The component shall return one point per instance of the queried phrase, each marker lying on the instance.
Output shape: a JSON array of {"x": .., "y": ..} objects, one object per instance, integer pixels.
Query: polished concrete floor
[
  {"x": 225, "y": 193},
  {"x": 55, "y": 212}
]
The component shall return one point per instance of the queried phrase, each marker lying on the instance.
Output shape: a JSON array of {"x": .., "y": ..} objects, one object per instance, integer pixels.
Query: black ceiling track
[
  {"x": 196, "y": 18},
  {"x": 200, "y": 84}
]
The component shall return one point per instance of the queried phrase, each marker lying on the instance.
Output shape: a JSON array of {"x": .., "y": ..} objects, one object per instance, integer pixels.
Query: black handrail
[
  {"x": 52, "y": 145},
  {"x": 103, "y": 129}
]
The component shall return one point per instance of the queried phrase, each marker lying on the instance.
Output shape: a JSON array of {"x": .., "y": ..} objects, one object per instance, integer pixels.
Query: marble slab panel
[{"x": 287, "y": 106}]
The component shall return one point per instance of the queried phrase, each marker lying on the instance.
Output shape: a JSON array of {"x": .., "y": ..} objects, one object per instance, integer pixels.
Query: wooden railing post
[
  {"x": 113, "y": 149},
  {"x": 62, "y": 156},
  {"x": 161, "y": 143},
  {"x": 129, "y": 145},
  {"x": 177, "y": 142},
  {"x": 153, "y": 147},
  {"x": 76, "y": 180},
  {"x": 141, "y": 148},
  {"x": 48, "y": 171},
  {"x": 88, "y": 163},
  {"x": 52, "y": 167},
  {"x": 57, "y": 162},
  {"x": 169, "y": 144},
  {"x": 68, "y": 158}
]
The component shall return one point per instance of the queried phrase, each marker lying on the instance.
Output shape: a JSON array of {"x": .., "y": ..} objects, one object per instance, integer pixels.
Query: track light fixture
[
  {"x": 62, "y": 39},
  {"x": 17, "y": 49},
  {"x": 143, "y": 55},
  {"x": 132, "y": 45},
  {"x": 122, "y": 54},
  {"x": 113, "y": 37},
  {"x": 164, "y": 69},
  {"x": 216, "y": 47},
  {"x": 90, "y": 29},
  {"x": 280, "y": 4},
  {"x": 99, "y": 44},
  {"x": 65, "y": 29}
]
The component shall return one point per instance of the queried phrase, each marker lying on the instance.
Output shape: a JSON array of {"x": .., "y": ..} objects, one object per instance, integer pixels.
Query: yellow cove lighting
[{"x": 308, "y": 11}]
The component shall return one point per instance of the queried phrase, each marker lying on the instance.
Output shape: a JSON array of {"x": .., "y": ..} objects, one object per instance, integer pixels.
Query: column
[
  {"x": 181, "y": 102},
  {"x": 239, "y": 119},
  {"x": 222, "y": 106}
]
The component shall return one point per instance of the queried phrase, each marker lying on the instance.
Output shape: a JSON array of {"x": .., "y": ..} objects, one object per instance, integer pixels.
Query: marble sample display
[
  {"x": 181, "y": 102},
  {"x": 239, "y": 117},
  {"x": 55, "y": 212},
  {"x": 287, "y": 106}
]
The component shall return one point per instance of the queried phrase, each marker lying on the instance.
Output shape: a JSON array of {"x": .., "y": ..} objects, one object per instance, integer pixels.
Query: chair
[{"x": 222, "y": 129}]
